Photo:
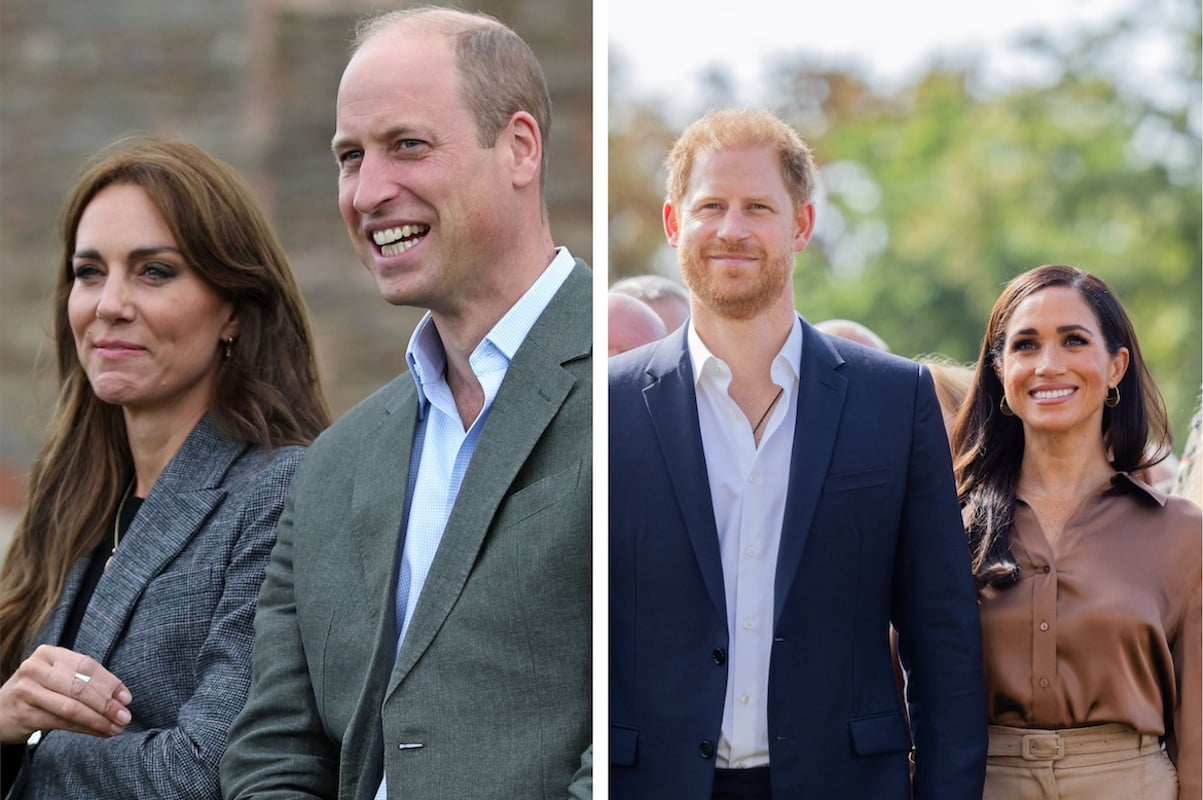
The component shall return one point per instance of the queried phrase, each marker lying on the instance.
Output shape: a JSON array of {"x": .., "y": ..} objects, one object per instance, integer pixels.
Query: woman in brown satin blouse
[{"x": 1089, "y": 579}]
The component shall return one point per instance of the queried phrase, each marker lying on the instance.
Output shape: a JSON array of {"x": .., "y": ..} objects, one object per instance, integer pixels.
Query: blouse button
[
  {"x": 1044, "y": 683},
  {"x": 1044, "y": 626},
  {"x": 1047, "y": 568}
]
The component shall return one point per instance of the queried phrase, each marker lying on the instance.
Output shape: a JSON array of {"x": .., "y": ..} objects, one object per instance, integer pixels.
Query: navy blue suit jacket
[{"x": 871, "y": 535}]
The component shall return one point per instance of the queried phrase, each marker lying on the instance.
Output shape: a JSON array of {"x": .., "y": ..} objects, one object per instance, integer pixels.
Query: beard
[{"x": 739, "y": 293}]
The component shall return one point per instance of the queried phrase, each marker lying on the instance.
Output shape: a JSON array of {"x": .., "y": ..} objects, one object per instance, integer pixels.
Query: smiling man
[
  {"x": 424, "y": 629},
  {"x": 778, "y": 498}
]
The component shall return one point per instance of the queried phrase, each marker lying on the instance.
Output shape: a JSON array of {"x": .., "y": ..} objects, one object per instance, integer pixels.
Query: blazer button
[
  {"x": 719, "y": 655},
  {"x": 706, "y": 750}
]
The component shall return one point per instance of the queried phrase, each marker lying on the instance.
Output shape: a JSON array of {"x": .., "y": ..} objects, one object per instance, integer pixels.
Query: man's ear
[
  {"x": 804, "y": 226},
  {"x": 672, "y": 226},
  {"x": 524, "y": 146}
]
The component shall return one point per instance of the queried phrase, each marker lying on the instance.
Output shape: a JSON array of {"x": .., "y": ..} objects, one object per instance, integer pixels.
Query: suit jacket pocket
[
  {"x": 863, "y": 479},
  {"x": 534, "y": 497},
  {"x": 624, "y": 744},
  {"x": 880, "y": 733}
]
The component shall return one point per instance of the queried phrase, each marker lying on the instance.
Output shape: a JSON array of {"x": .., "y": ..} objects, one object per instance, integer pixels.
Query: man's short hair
[
  {"x": 499, "y": 72},
  {"x": 742, "y": 127}
]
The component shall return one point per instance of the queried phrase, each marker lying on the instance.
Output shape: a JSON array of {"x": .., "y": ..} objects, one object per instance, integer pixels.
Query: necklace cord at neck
[
  {"x": 765, "y": 415},
  {"x": 117, "y": 521}
]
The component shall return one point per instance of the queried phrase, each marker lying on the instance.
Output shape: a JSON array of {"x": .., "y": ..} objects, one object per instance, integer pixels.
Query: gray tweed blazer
[{"x": 172, "y": 617}]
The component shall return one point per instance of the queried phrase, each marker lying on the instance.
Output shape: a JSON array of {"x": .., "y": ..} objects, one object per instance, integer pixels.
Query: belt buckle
[{"x": 1043, "y": 747}]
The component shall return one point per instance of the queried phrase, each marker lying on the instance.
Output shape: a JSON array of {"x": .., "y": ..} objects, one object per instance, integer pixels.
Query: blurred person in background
[
  {"x": 630, "y": 323},
  {"x": 669, "y": 299},
  {"x": 1188, "y": 482},
  {"x": 188, "y": 388},
  {"x": 953, "y": 381},
  {"x": 853, "y": 332},
  {"x": 1089, "y": 578}
]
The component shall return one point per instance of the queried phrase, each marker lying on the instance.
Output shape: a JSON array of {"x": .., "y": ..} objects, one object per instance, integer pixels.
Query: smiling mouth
[
  {"x": 1053, "y": 394},
  {"x": 734, "y": 256},
  {"x": 395, "y": 241}
]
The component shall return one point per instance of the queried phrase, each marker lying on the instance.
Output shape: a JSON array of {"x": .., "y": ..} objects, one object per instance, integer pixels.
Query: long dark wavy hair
[
  {"x": 266, "y": 393},
  {"x": 988, "y": 445}
]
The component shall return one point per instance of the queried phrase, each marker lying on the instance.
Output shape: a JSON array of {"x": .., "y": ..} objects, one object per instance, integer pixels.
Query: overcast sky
[{"x": 665, "y": 44}]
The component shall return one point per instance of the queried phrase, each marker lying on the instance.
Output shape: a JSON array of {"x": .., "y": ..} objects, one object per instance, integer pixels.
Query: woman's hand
[{"x": 59, "y": 689}]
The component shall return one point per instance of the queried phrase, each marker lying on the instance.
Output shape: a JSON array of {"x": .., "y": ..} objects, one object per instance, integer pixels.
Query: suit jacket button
[
  {"x": 719, "y": 655},
  {"x": 706, "y": 750}
]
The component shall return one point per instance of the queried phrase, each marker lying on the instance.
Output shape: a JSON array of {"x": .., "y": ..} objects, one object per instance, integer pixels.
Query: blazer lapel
[
  {"x": 377, "y": 508},
  {"x": 179, "y": 503},
  {"x": 821, "y": 391},
  {"x": 672, "y": 403},
  {"x": 378, "y": 504},
  {"x": 534, "y": 389}
]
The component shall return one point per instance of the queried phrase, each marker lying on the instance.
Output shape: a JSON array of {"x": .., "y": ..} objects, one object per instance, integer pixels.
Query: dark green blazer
[{"x": 489, "y": 696}]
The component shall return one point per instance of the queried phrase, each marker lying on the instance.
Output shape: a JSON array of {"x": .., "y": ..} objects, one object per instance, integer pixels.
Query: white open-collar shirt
[{"x": 748, "y": 486}]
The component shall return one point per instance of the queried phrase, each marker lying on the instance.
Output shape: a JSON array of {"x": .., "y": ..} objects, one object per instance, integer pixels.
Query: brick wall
[{"x": 254, "y": 82}]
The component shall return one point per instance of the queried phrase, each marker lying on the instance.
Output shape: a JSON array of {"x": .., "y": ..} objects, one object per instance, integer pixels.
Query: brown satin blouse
[{"x": 1106, "y": 626}]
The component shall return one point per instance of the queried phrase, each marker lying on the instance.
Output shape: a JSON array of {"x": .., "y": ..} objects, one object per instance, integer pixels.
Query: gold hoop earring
[
  {"x": 1004, "y": 408},
  {"x": 1110, "y": 401},
  {"x": 229, "y": 347}
]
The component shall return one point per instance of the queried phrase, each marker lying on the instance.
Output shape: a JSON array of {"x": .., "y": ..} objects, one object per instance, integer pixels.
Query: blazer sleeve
[
  {"x": 181, "y": 761},
  {"x": 278, "y": 747},
  {"x": 936, "y": 616}
]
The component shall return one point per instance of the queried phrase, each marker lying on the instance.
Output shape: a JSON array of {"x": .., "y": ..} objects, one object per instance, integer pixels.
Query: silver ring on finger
[{"x": 82, "y": 678}]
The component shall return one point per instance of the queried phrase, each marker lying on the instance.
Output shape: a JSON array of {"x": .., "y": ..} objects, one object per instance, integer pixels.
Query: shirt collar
[
  {"x": 1122, "y": 480},
  {"x": 787, "y": 364},
  {"x": 427, "y": 359}
]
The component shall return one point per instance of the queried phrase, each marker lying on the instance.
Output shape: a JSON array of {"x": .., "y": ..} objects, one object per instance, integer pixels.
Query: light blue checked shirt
[{"x": 442, "y": 448}]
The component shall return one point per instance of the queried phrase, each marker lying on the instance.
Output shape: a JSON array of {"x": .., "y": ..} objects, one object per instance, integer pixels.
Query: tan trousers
[{"x": 1100, "y": 762}]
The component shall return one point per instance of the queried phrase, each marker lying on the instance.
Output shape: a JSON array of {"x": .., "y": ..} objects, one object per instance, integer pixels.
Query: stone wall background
[{"x": 254, "y": 82}]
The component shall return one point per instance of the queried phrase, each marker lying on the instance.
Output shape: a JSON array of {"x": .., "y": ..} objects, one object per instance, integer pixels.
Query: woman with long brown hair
[
  {"x": 1089, "y": 579},
  {"x": 188, "y": 389}
]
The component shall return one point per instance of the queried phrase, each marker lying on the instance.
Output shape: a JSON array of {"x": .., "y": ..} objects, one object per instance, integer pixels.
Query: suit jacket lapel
[
  {"x": 672, "y": 403},
  {"x": 377, "y": 509},
  {"x": 821, "y": 391},
  {"x": 179, "y": 503},
  {"x": 379, "y": 500},
  {"x": 534, "y": 388}
]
